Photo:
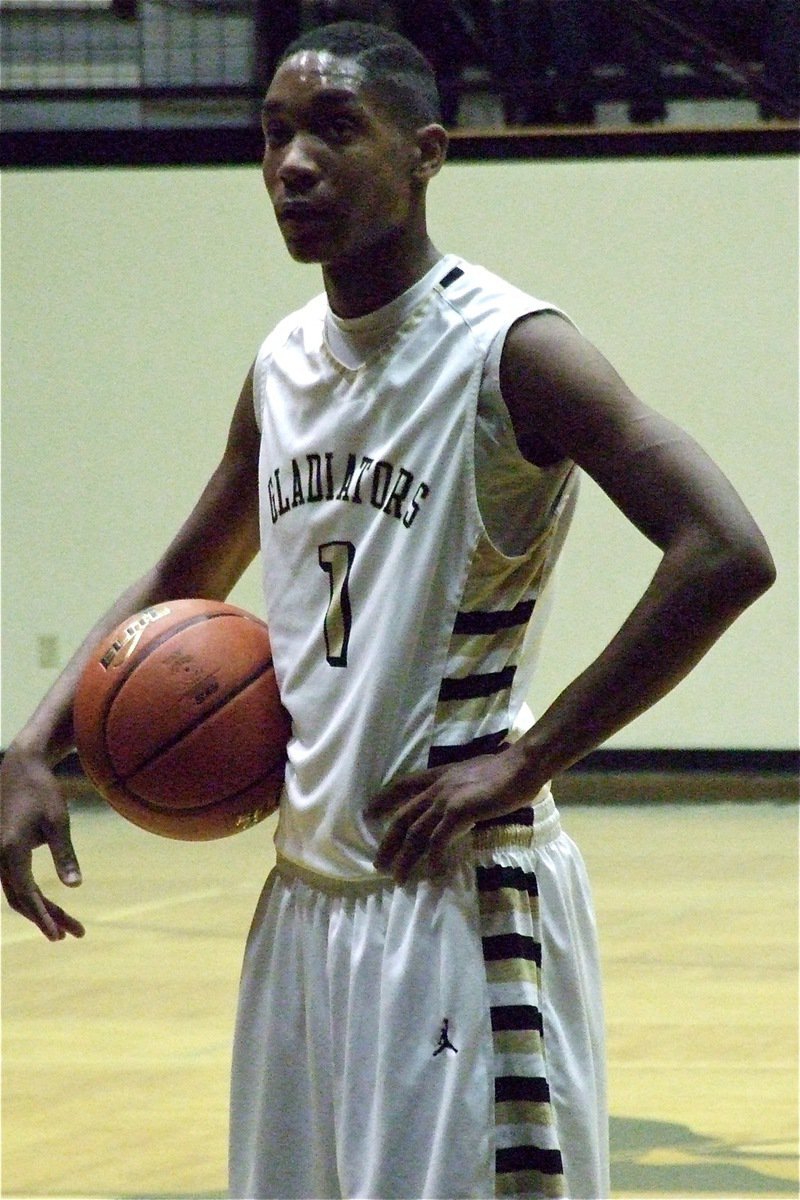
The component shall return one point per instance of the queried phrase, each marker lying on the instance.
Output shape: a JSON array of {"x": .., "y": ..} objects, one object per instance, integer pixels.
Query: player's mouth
[{"x": 303, "y": 214}]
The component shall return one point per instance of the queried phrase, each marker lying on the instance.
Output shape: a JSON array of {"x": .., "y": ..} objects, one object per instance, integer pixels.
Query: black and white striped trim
[{"x": 528, "y": 1159}]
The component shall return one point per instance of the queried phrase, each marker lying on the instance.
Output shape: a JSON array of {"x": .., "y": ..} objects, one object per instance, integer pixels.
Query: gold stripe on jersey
[{"x": 485, "y": 648}]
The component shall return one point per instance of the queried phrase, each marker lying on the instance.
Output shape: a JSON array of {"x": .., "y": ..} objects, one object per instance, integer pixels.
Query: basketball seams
[
  {"x": 200, "y": 719},
  {"x": 270, "y": 776},
  {"x": 202, "y": 724},
  {"x": 100, "y": 717},
  {"x": 165, "y": 636}
]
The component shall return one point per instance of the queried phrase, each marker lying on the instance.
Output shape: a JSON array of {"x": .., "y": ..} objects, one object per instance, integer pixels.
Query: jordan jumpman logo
[{"x": 444, "y": 1040}]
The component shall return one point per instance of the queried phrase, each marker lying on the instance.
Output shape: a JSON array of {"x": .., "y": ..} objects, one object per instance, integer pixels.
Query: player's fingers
[
  {"x": 410, "y": 844},
  {"x": 391, "y": 843},
  {"x": 65, "y": 923},
  {"x": 50, "y": 918},
  {"x": 396, "y": 837},
  {"x": 64, "y": 857},
  {"x": 26, "y": 898},
  {"x": 449, "y": 829},
  {"x": 35, "y": 909},
  {"x": 389, "y": 799}
]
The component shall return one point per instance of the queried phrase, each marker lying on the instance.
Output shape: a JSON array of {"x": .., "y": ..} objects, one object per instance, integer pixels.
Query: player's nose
[{"x": 298, "y": 170}]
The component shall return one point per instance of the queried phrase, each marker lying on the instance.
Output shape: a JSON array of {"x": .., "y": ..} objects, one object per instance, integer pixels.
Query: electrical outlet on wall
[{"x": 48, "y": 650}]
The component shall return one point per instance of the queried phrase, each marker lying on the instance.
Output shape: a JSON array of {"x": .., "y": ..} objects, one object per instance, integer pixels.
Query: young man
[{"x": 420, "y": 1009}]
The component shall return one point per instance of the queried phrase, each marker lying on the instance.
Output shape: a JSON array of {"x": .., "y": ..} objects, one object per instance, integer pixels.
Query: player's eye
[
  {"x": 276, "y": 133},
  {"x": 340, "y": 129}
]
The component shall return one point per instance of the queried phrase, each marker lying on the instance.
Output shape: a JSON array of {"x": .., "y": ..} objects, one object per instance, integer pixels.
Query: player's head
[
  {"x": 394, "y": 73},
  {"x": 351, "y": 141}
]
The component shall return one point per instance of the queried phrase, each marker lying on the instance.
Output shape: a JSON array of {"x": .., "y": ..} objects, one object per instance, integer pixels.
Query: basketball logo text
[
  {"x": 247, "y": 820},
  {"x": 129, "y": 638}
]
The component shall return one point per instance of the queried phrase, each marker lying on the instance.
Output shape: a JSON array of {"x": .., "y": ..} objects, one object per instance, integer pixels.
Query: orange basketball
[{"x": 178, "y": 720}]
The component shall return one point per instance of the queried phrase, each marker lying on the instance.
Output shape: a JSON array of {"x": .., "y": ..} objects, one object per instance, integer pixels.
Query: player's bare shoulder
[
  {"x": 543, "y": 354},
  {"x": 559, "y": 387}
]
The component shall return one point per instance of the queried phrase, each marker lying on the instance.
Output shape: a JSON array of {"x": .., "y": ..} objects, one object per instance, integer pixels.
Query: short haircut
[{"x": 397, "y": 75}]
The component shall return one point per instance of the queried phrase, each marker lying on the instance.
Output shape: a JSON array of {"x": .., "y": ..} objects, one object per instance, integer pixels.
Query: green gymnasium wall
[{"x": 135, "y": 299}]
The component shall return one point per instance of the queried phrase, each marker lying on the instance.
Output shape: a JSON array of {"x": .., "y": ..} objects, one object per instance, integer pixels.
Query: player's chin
[
  {"x": 303, "y": 253},
  {"x": 306, "y": 246}
]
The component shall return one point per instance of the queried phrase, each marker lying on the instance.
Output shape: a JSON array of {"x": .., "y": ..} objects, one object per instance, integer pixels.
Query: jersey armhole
[
  {"x": 492, "y": 378},
  {"x": 515, "y": 496}
]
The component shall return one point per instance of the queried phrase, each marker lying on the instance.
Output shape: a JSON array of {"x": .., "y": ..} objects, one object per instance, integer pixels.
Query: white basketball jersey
[{"x": 402, "y": 632}]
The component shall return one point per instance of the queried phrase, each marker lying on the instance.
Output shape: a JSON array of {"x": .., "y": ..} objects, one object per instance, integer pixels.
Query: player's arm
[
  {"x": 714, "y": 559},
  {"x": 566, "y": 401},
  {"x": 205, "y": 559}
]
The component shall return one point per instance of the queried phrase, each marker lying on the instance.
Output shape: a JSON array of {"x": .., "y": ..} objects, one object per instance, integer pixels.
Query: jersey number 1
[{"x": 336, "y": 560}]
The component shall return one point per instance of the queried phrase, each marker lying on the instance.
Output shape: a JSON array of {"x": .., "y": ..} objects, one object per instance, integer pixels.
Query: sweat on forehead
[
  {"x": 376, "y": 60},
  {"x": 321, "y": 81},
  {"x": 323, "y": 67}
]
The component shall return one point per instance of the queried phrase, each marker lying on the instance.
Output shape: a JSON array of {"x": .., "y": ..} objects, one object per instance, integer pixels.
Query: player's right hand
[{"x": 33, "y": 813}]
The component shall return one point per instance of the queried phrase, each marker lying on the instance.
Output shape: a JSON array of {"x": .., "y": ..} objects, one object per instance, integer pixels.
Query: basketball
[{"x": 178, "y": 720}]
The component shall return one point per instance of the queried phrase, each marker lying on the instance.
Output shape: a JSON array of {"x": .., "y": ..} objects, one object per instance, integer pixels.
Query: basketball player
[{"x": 420, "y": 1011}]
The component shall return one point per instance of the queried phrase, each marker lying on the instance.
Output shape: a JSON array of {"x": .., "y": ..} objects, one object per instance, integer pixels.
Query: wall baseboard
[
  {"x": 653, "y": 776},
  {"x": 640, "y": 776},
  {"x": 727, "y": 761},
  {"x": 242, "y": 145}
]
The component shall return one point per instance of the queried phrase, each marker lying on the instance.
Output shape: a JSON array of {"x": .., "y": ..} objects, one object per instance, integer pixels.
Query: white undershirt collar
[{"x": 353, "y": 339}]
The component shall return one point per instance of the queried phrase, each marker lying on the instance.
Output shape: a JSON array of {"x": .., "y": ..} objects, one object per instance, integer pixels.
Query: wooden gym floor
[{"x": 116, "y": 1048}]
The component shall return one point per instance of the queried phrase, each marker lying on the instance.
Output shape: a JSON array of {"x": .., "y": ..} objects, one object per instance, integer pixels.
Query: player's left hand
[{"x": 430, "y": 810}]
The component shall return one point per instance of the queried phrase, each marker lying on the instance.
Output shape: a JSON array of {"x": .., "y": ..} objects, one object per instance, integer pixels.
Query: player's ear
[{"x": 430, "y": 151}]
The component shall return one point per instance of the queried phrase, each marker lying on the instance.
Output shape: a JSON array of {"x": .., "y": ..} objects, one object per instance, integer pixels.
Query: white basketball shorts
[{"x": 429, "y": 1040}]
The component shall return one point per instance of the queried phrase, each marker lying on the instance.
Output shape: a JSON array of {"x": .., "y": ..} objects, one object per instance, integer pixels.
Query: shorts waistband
[
  {"x": 291, "y": 871},
  {"x": 545, "y": 828}
]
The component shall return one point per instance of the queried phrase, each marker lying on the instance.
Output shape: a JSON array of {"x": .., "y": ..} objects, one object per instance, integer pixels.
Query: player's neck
[{"x": 355, "y": 288}]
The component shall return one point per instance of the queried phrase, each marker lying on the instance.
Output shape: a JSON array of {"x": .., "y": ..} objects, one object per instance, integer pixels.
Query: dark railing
[{"x": 504, "y": 66}]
